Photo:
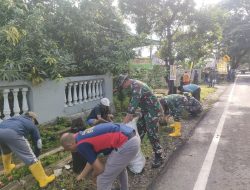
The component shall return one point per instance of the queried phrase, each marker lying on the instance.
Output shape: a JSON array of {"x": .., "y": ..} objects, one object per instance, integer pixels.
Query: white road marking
[{"x": 201, "y": 181}]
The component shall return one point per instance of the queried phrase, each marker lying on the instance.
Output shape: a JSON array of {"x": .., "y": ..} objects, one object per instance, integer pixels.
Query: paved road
[{"x": 217, "y": 156}]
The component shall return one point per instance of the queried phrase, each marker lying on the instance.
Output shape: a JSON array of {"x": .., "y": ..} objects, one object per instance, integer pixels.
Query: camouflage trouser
[{"x": 150, "y": 124}]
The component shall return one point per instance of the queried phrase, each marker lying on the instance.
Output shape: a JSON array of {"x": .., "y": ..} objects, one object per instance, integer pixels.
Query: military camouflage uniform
[
  {"x": 175, "y": 104},
  {"x": 143, "y": 98},
  {"x": 193, "y": 106}
]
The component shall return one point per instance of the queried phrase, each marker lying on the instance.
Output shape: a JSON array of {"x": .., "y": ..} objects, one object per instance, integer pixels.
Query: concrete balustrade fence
[
  {"x": 79, "y": 92},
  {"x": 52, "y": 99},
  {"x": 14, "y": 101}
]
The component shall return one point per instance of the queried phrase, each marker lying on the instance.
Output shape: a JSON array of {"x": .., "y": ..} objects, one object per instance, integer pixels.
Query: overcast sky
[
  {"x": 205, "y": 2},
  {"x": 199, "y": 3}
]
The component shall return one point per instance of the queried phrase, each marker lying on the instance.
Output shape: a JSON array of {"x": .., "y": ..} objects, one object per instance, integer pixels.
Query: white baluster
[
  {"x": 93, "y": 90},
  {"x": 16, "y": 108},
  {"x": 65, "y": 97},
  {"x": 101, "y": 93},
  {"x": 85, "y": 92},
  {"x": 25, "y": 104},
  {"x": 6, "y": 108},
  {"x": 69, "y": 95},
  {"x": 97, "y": 89},
  {"x": 89, "y": 91},
  {"x": 75, "y": 94},
  {"x": 80, "y": 92}
]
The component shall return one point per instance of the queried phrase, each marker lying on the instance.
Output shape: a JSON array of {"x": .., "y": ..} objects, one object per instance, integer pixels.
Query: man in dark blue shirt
[
  {"x": 13, "y": 138},
  {"x": 100, "y": 114}
]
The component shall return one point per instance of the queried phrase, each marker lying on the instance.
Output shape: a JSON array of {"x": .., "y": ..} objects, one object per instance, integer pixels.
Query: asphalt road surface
[{"x": 217, "y": 156}]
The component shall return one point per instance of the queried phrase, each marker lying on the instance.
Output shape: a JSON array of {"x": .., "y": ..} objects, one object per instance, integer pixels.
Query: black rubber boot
[{"x": 158, "y": 160}]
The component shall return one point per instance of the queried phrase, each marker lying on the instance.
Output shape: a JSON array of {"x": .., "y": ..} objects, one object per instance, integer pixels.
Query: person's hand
[
  {"x": 79, "y": 177},
  {"x": 167, "y": 118},
  {"x": 128, "y": 118}
]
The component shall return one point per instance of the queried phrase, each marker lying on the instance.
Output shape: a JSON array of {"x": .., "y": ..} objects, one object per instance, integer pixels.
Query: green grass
[{"x": 206, "y": 91}]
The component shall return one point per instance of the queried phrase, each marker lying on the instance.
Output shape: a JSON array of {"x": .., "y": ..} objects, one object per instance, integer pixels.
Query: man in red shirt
[{"x": 118, "y": 141}]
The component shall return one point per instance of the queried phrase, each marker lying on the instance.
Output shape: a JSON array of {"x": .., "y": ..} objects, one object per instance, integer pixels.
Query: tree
[
  {"x": 202, "y": 37},
  {"x": 55, "y": 38},
  {"x": 165, "y": 18},
  {"x": 237, "y": 30},
  {"x": 26, "y": 50}
]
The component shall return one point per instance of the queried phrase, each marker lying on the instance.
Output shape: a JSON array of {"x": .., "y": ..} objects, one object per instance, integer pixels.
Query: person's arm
[
  {"x": 87, "y": 150},
  {"x": 110, "y": 117},
  {"x": 84, "y": 172},
  {"x": 136, "y": 94},
  {"x": 169, "y": 119},
  {"x": 128, "y": 118},
  {"x": 36, "y": 139},
  {"x": 98, "y": 167},
  {"x": 173, "y": 110},
  {"x": 99, "y": 117}
]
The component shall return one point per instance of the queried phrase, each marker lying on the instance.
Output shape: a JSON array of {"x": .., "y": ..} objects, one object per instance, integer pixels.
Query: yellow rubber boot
[
  {"x": 177, "y": 130},
  {"x": 39, "y": 174},
  {"x": 8, "y": 167}
]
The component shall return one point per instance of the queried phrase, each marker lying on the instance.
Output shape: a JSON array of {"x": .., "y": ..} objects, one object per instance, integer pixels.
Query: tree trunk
[{"x": 169, "y": 61}]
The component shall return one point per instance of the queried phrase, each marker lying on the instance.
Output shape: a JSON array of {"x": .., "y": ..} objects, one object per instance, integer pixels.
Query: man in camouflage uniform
[
  {"x": 193, "y": 106},
  {"x": 142, "y": 97},
  {"x": 175, "y": 104}
]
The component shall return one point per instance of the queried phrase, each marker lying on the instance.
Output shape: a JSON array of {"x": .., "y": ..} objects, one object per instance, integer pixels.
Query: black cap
[{"x": 120, "y": 81}]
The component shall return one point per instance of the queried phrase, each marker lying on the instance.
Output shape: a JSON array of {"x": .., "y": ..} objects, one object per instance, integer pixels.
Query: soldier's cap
[
  {"x": 120, "y": 81},
  {"x": 33, "y": 116}
]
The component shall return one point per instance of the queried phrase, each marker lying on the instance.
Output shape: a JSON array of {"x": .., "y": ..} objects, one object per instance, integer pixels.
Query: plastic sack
[{"x": 137, "y": 164}]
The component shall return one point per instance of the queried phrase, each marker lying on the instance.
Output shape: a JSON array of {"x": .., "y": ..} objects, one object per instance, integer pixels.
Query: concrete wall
[{"x": 48, "y": 98}]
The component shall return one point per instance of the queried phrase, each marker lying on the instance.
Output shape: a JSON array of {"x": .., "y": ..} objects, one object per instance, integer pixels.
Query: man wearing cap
[
  {"x": 13, "y": 138},
  {"x": 142, "y": 97},
  {"x": 118, "y": 141},
  {"x": 101, "y": 113}
]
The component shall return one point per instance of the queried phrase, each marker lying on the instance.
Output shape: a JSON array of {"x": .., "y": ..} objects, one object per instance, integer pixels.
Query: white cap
[{"x": 105, "y": 101}]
